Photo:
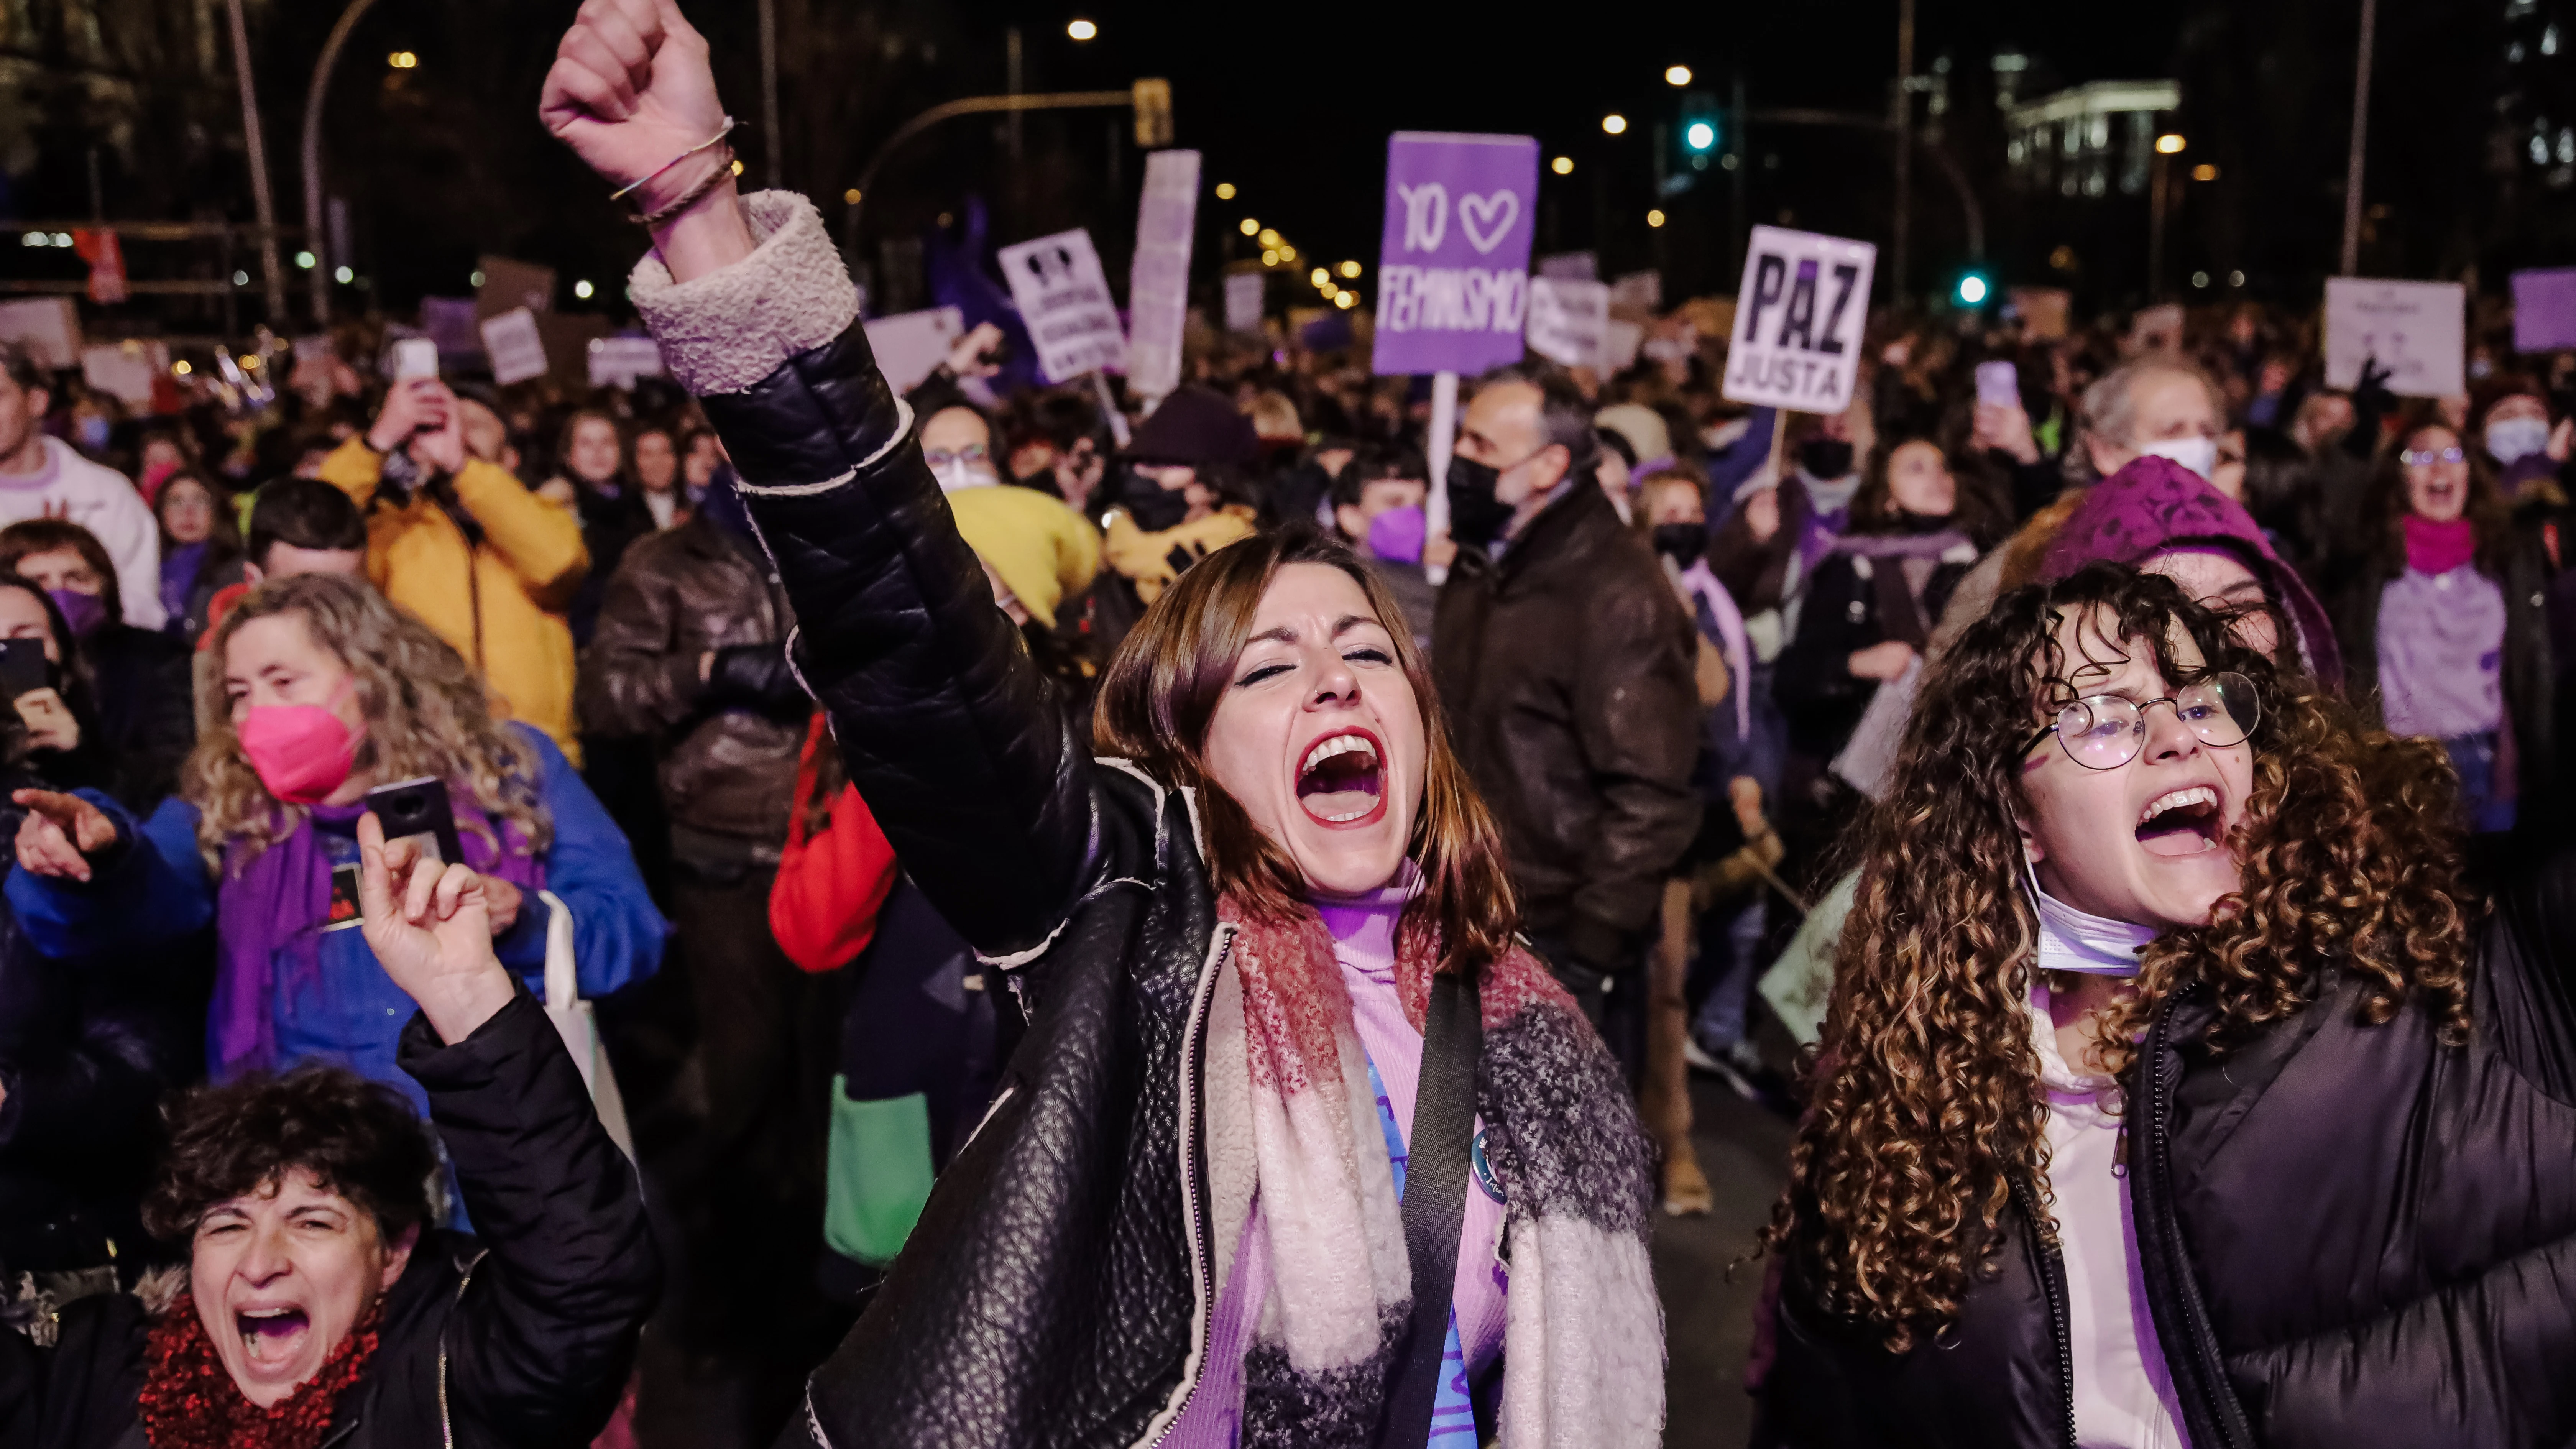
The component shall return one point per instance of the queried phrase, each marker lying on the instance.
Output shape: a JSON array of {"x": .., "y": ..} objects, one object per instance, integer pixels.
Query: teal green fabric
[{"x": 877, "y": 1174}]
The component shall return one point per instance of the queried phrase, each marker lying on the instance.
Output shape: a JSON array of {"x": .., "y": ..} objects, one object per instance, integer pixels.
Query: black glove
[
  {"x": 2371, "y": 401},
  {"x": 756, "y": 677}
]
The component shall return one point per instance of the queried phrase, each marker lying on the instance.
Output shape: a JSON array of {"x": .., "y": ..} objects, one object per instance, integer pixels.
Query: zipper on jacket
[
  {"x": 2050, "y": 1267},
  {"x": 2209, "y": 1365},
  {"x": 1193, "y": 1131}
]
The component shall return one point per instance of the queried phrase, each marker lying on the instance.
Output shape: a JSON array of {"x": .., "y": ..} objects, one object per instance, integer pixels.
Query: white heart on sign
[{"x": 1488, "y": 219}]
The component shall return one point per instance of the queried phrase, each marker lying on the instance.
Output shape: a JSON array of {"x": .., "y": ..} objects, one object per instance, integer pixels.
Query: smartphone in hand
[
  {"x": 415, "y": 357},
  {"x": 1999, "y": 384},
  {"x": 23, "y": 667},
  {"x": 409, "y": 808}
]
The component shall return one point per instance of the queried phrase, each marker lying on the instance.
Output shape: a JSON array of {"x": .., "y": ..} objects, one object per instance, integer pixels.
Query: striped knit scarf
[{"x": 1290, "y": 1111}]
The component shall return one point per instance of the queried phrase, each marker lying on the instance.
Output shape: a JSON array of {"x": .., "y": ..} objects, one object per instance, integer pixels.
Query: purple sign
[
  {"x": 1453, "y": 267},
  {"x": 2544, "y": 309}
]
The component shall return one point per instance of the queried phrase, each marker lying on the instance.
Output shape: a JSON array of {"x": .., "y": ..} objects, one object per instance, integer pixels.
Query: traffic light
[
  {"x": 1152, "y": 99},
  {"x": 1974, "y": 289},
  {"x": 1701, "y": 129}
]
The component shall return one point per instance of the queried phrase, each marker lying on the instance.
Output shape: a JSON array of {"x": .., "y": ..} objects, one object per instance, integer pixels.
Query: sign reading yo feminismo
[{"x": 1453, "y": 262}]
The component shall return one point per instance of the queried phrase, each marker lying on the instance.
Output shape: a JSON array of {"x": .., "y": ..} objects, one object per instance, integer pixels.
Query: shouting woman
[
  {"x": 2172, "y": 1084},
  {"x": 1262, "y": 946}
]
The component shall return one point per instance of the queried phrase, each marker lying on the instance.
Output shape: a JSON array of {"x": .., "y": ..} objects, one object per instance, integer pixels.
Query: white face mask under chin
[
  {"x": 955, "y": 476},
  {"x": 2073, "y": 940},
  {"x": 2197, "y": 453}
]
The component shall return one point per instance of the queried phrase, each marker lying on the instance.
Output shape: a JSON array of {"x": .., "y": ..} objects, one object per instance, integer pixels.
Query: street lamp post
[
  {"x": 2360, "y": 132},
  {"x": 320, "y": 281},
  {"x": 263, "y": 204},
  {"x": 1904, "y": 143}
]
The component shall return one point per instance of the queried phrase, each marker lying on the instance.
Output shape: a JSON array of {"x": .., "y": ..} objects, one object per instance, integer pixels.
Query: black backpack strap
[{"x": 1435, "y": 1200}]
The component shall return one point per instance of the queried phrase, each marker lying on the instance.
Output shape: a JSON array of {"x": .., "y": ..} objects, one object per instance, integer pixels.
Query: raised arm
[{"x": 949, "y": 730}]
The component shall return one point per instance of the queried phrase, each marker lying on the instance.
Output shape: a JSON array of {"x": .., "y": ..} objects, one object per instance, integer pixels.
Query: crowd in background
[{"x": 225, "y": 621}]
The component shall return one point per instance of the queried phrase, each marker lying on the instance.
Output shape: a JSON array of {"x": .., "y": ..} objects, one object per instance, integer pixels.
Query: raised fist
[{"x": 629, "y": 91}]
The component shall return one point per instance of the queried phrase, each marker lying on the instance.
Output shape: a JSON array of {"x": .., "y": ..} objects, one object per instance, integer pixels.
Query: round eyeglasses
[
  {"x": 2106, "y": 731},
  {"x": 2427, "y": 457}
]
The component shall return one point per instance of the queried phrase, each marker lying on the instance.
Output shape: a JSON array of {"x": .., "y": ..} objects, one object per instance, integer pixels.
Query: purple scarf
[{"x": 277, "y": 900}]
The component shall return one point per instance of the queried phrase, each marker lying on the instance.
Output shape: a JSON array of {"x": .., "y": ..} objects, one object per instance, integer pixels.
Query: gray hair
[
  {"x": 2110, "y": 404},
  {"x": 1564, "y": 417}
]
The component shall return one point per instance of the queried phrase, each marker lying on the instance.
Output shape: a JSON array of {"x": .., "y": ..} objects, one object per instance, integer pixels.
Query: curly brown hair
[
  {"x": 358, "y": 1138},
  {"x": 1925, "y": 1098}
]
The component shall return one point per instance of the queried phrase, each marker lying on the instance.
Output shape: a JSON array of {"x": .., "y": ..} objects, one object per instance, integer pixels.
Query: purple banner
[
  {"x": 2544, "y": 310},
  {"x": 1453, "y": 266}
]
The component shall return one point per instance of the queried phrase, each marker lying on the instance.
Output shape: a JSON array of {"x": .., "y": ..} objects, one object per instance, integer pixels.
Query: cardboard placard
[
  {"x": 1569, "y": 321},
  {"x": 1640, "y": 292},
  {"x": 1620, "y": 341},
  {"x": 48, "y": 328},
  {"x": 451, "y": 322},
  {"x": 2416, "y": 330},
  {"x": 1798, "y": 320},
  {"x": 1243, "y": 302},
  {"x": 125, "y": 371},
  {"x": 1453, "y": 255},
  {"x": 2544, "y": 309},
  {"x": 618, "y": 361},
  {"x": 1064, "y": 301},
  {"x": 509, "y": 285},
  {"x": 517, "y": 352},
  {"x": 1158, "y": 278},
  {"x": 1570, "y": 267},
  {"x": 911, "y": 345}
]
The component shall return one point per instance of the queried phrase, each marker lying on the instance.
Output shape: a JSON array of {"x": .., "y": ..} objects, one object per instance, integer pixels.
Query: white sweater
[{"x": 101, "y": 500}]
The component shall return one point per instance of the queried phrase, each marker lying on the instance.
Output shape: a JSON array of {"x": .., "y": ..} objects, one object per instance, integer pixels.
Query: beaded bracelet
[{"x": 621, "y": 193}]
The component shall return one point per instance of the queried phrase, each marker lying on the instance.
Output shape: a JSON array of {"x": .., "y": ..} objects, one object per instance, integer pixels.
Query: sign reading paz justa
[
  {"x": 1064, "y": 301},
  {"x": 1798, "y": 320},
  {"x": 1453, "y": 258}
]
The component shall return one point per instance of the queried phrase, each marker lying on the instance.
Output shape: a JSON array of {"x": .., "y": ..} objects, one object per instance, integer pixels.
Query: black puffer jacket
[
  {"x": 2350, "y": 1236},
  {"x": 518, "y": 1340}
]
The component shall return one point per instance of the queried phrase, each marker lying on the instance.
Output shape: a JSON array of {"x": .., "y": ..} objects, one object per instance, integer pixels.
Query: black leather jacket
[
  {"x": 1059, "y": 1276},
  {"x": 2349, "y": 1235}
]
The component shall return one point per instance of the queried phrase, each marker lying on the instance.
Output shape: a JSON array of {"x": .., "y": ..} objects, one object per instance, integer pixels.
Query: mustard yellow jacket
[{"x": 515, "y": 584}]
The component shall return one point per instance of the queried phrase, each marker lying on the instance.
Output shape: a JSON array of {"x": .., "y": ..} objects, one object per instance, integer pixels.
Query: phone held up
[
  {"x": 23, "y": 667},
  {"x": 415, "y": 357},
  {"x": 1999, "y": 384},
  {"x": 408, "y": 810}
]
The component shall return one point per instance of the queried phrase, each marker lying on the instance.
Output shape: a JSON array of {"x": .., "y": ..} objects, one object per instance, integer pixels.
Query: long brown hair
[
  {"x": 2385, "y": 505},
  {"x": 1161, "y": 692},
  {"x": 1925, "y": 1097},
  {"x": 427, "y": 713}
]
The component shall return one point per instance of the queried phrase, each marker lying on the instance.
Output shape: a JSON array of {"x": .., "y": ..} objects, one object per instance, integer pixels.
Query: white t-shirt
[
  {"x": 2123, "y": 1396},
  {"x": 99, "y": 499}
]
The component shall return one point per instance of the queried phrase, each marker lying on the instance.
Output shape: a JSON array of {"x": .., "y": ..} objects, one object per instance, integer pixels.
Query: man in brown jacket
[
  {"x": 1565, "y": 668},
  {"x": 689, "y": 653}
]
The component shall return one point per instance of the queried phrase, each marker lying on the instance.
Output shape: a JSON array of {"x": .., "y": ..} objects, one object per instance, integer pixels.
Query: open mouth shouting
[
  {"x": 272, "y": 1335},
  {"x": 1342, "y": 780},
  {"x": 2182, "y": 822}
]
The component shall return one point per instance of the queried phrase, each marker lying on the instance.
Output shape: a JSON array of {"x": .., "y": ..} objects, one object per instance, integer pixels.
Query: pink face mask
[{"x": 302, "y": 752}]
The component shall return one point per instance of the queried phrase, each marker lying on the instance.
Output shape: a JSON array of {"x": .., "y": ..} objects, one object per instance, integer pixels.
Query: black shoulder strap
[{"x": 1435, "y": 1200}]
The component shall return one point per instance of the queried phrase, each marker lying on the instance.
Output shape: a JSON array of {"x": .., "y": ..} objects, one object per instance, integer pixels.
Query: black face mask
[
  {"x": 1683, "y": 543},
  {"x": 1476, "y": 516},
  {"x": 1153, "y": 506},
  {"x": 1825, "y": 459}
]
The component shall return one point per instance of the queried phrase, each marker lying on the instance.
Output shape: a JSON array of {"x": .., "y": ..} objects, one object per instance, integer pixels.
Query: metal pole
[
  {"x": 972, "y": 105},
  {"x": 1904, "y": 143},
  {"x": 1743, "y": 165},
  {"x": 313, "y": 97},
  {"x": 1013, "y": 41},
  {"x": 769, "y": 94},
  {"x": 2360, "y": 131},
  {"x": 1444, "y": 436},
  {"x": 2156, "y": 226},
  {"x": 263, "y": 205}
]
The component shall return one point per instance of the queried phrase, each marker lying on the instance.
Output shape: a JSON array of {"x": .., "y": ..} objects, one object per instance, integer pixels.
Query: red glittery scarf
[{"x": 189, "y": 1400}]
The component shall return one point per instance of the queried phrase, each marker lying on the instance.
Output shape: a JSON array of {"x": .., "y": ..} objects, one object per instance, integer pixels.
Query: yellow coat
[
  {"x": 1146, "y": 558},
  {"x": 531, "y": 560}
]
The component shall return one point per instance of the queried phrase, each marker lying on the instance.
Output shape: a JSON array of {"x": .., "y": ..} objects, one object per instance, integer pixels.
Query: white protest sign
[
  {"x": 1064, "y": 301},
  {"x": 47, "y": 327},
  {"x": 2416, "y": 330},
  {"x": 124, "y": 371},
  {"x": 1641, "y": 291},
  {"x": 1620, "y": 341},
  {"x": 1798, "y": 320},
  {"x": 517, "y": 352},
  {"x": 1569, "y": 321},
  {"x": 1243, "y": 302},
  {"x": 1158, "y": 280},
  {"x": 618, "y": 361},
  {"x": 911, "y": 345},
  {"x": 1570, "y": 267}
]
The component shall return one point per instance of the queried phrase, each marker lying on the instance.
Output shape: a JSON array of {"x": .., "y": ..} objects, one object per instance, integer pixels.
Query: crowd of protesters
[{"x": 1685, "y": 740}]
